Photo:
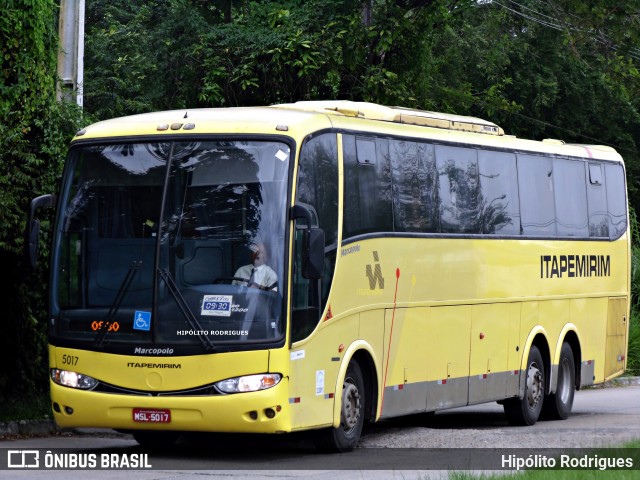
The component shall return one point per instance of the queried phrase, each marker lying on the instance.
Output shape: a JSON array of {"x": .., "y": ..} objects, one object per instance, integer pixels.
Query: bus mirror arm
[
  {"x": 312, "y": 244},
  {"x": 32, "y": 231}
]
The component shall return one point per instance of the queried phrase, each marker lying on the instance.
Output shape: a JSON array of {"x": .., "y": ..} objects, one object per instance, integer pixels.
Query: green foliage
[
  {"x": 558, "y": 69},
  {"x": 633, "y": 354},
  {"x": 34, "y": 132}
]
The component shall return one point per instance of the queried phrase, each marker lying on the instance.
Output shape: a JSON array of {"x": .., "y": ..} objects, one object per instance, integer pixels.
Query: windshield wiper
[
  {"x": 184, "y": 308},
  {"x": 117, "y": 301}
]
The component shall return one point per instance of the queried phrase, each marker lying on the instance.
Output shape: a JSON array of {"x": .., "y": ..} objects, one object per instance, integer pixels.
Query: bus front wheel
[
  {"x": 352, "y": 407},
  {"x": 557, "y": 406},
  {"x": 526, "y": 410}
]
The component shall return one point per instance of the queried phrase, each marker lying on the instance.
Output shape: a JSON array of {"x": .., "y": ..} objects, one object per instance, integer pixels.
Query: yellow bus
[{"x": 318, "y": 265}]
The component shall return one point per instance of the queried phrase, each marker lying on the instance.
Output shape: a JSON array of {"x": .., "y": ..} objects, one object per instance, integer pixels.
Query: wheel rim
[
  {"x": 564, "y": 387},
  {"x": 535, "y": 385},
  {"x": 350, "y": 414}
]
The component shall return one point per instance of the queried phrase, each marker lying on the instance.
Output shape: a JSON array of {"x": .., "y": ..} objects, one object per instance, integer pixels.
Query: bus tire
[
  {"x": 154, "y": 439},
  {"x": 557, "y": 406},
  {"x": 352, "y": 408},
  {"x": 526, "y": 410}
]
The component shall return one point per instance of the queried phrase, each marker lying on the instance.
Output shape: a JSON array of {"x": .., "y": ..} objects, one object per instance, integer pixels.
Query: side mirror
[
  {"x": 32, "y": 230},
  {"x": 312, "y": 242}
]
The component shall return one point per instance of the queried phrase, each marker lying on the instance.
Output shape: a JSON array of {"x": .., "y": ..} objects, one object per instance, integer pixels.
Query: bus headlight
[
  {"x": 73, "y": 379},
  {"x": 249, "y": 383}
]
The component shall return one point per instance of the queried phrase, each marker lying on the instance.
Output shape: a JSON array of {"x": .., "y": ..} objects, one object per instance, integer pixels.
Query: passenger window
[
  {"x": 597, "y": 203},
  {"x": 499, "y": 204},
  {"x": 415, "y": 193},
  {"x": 616, "y": 202},
  {"x": 570, "y": 195},
  {"x": 458, "y": 189},
  {"x": 367, "y": 192},
  {"x": 537, "y": 199}
]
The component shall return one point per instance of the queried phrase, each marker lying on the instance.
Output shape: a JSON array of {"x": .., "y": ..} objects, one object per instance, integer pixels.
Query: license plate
[{"x": 145, "y": 415}]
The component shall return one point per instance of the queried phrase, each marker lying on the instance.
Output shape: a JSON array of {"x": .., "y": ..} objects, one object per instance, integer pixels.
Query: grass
[
  {"x": 633, "y": 355},
  {"x": 554, "y": 474}
]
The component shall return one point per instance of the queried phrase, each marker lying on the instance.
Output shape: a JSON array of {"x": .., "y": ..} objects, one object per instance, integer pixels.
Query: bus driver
[{"x": 257, "y": 274}]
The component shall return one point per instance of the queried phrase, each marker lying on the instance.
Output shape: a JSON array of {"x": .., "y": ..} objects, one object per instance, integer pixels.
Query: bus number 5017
[{"x": 69, "y": 360}]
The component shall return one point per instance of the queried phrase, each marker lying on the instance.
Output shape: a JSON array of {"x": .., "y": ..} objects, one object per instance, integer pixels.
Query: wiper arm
[
  {"x": 117, "y": 301},
  {"x": 184, "y": 308}
]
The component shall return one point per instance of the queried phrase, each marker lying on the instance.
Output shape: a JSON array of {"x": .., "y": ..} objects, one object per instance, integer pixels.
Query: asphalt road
[{"x": 411, "y": 447}]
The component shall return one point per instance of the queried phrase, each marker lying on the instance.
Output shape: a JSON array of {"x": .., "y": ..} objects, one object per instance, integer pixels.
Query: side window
[
  {"x": 459, "y": 189},
  {"x": 318, "y": 189},
  {"x": 537, "y": 205},
  {"x": 499, "y": 203},
  {"x": 415, "y": 193},
  {"x": 318, "y": 182},
  {"x": 597, "y": 202},
  {"x": 367, "y": 186},
  {"x": 570, "y": 195},
  {"x": 616, "y": 199}
]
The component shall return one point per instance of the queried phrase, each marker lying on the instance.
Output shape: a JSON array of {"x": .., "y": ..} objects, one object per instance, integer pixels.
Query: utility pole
[{"x": 71, "y": 51}]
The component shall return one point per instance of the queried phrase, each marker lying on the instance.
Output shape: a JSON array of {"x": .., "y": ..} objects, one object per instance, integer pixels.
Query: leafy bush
[
  {"x": 34, "y": 132},
  {"x": 633, "y": 355}
]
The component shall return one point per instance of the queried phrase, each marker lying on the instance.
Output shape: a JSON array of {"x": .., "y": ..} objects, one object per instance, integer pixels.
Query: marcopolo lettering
[
  {"x": 570, "y": 266},
  {"x": 153, "y": 351}
]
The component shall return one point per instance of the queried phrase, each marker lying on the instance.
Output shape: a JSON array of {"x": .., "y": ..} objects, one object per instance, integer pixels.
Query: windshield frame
[{"x": 135, "y": 347}]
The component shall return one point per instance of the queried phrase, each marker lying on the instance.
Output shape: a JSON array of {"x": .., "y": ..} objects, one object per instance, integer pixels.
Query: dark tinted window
[
  {"x": 318, "y": 182},
  {"x": 597, "y": 202},
  {"x": 405, "y": 186},
  {"x": 499, "y": 204},
  {"x": 537, "y": 206},
  {"x": 459, "y": 189},
  {"x": 318, "y": 190},
  {"x": 571, "y": 198},
  {"x": 616, "y": 199},
  {"x": 367, "y": 196},
  {"x": 415, "y": 192}
]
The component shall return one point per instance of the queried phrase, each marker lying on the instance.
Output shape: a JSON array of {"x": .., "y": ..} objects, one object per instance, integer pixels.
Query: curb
[
  {"x": 622, "y": 382},
  {"x": 45, "y": 427},
  {"x": 27, "y": 428},
  {"x": 20, "y": 428}
]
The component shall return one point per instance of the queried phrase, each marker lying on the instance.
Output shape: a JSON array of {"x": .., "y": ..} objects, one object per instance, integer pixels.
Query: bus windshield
[{"x": 170, "y": 247}]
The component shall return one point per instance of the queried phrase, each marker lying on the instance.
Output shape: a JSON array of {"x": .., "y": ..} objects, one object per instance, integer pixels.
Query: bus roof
[
  {"x": 301, "y": 118},
  {"x": 372, "y": 111}
]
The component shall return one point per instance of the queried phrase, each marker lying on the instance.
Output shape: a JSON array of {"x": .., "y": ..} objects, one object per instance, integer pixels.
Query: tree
[{"x": 34, "y": 130}]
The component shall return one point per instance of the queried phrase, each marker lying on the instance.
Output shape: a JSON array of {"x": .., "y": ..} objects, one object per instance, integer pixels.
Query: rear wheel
[
  {"x": 526, "y": 410},
  {"x": 557, "y": 406},
  {"x": 352, "y": 408}
]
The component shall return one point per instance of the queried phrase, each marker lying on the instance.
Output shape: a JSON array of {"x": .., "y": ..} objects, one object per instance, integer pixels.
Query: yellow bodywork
[{"x": 446, "y": 320}]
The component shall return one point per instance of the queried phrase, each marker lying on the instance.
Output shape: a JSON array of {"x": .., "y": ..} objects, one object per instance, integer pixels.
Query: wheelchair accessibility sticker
[{"x": 142, "y": 320}]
